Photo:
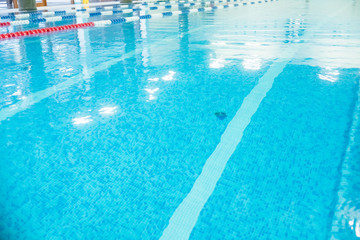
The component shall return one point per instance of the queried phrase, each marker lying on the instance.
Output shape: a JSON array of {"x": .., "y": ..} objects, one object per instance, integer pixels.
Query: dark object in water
[{"x": 220, "y": 115}]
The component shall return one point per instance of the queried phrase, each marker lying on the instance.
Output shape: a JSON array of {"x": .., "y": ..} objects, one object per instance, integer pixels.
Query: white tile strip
[{"x": 185, "y": 216}]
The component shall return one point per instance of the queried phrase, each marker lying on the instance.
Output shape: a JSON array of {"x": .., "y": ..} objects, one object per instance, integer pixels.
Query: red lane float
[
  {"x": 4, "y": 24},
  {"x": 46, "y": 30}
]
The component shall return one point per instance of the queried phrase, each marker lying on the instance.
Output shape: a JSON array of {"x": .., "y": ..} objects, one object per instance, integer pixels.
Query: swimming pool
[{"x": 236, "y": 123}]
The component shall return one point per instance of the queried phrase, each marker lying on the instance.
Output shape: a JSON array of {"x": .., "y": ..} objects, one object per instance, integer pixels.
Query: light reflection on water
[{"x": 161, "y": 59}]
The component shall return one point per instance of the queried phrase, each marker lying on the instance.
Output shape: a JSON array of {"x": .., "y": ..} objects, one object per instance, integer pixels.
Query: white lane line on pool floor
[{"x": 185, "y": 216}]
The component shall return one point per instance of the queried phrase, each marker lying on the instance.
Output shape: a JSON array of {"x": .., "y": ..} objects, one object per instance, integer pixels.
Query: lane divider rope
[
  {"x": 53, "y": 18},
  {"x": 137, "y": 7},
  {"x": 103, "y": 23},
  {"x": 115, "y": 6},
  {"x": 59, "y": 12},
  {"x": 72, "y": 16},
  {"x": 46, "y": 30},
  {"x": 83, "y": 7},
  {"x": 67, "y": 6}
]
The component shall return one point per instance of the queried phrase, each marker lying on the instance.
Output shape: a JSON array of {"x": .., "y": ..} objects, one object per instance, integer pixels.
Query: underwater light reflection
[
  {"x": 217, "y": 63},
  {"x": 169, "y": 76},
  {"x": 252, "y": 63},
  {"x": 107, "y": 110},
  {"x": 329, "y": 74},
  {"x": 82, "y": 120}
]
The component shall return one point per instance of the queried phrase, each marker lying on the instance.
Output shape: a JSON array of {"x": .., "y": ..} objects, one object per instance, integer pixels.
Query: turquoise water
[{"x": 105, "y": 131}]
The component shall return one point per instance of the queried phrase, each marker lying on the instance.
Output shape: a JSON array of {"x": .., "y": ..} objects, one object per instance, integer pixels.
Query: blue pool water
[{"x": 114, "y": 132}]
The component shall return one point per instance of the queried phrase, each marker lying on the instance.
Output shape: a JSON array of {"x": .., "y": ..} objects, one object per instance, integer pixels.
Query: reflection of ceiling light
[
  {"x": 107, "y": 110},
  {"x": 169, "y": 77},
  {"x": 327, "y": 78},
  {"x": 17, "y": 93},
  {"x": 329, "y": 74},
  {"x": 252, "y": 63},
  {"x": 151, "y": 97},
  {"x": 217, "y": 63},
  {"x": 9, "y": 85},
  {"x": 82, "y": 120},
  {"x": 152, "y": 91},
  {"x": 355, "y": 225}
]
